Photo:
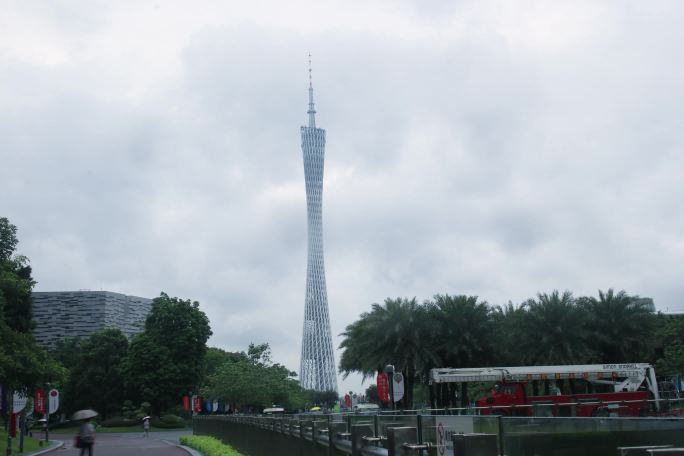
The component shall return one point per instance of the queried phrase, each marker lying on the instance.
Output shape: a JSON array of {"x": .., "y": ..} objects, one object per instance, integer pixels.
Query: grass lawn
[{"x": 30, "y": 444}]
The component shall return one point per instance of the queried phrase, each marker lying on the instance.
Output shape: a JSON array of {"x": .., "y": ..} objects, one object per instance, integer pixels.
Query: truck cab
[{"x": 503, "y": 398}]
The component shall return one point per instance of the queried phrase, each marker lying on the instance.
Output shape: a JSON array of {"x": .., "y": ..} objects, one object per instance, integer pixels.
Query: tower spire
[{"x": 312, "y": 110}]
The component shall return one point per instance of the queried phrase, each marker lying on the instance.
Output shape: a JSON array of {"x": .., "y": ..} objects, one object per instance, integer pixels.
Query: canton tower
[{"x": 317, "y": 370}]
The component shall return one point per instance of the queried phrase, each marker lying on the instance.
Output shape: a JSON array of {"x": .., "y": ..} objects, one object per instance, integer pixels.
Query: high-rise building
[
  {"x": 317, "y": 369},
  {"x": 78, "y": 314}
]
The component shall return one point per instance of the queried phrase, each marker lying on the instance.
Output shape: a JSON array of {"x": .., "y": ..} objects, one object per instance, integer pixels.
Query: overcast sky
[{"x": 496, "y": 148}]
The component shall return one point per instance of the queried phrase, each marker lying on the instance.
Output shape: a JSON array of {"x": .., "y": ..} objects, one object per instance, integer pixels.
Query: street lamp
[
  {"x": 389, "y": 370},
  {"x": 46, "y": 409}
]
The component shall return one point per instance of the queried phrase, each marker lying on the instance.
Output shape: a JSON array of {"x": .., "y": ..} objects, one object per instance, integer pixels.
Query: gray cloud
[{"x": 465, "y": 155}]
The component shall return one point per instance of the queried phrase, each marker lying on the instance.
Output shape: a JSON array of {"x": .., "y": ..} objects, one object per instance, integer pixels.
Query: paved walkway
[{"x": 126, "y": 444}]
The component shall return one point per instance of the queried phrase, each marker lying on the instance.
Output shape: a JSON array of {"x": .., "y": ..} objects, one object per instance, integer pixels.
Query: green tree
[
  {"x": 621, "y": 326},
  {"x": 372, "y": 394},
  {"x": 23, "y": 363},
  {"x": 461, "y": 336},
  {"x": 552, "y": 330},
  {"x": 8, "y": 239},
  {"x": 166, "y": 360},
  {"x": 213, "y": 360},
  {"x": 462, "y": 329},
  {"x": 671, "y": 336},
  {"x": 252, "y": 381},
  {"x": 396, "y": 332},
  {"x": 97, "y": 375},
  {"x": 507, "y": 321}
]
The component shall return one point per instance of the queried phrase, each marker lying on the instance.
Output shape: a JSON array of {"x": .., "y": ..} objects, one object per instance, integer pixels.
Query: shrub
[
  {"x": 208, "y": 446},
  {"x": 118, "y": 422},
  {"x": 168, "y": 422}
]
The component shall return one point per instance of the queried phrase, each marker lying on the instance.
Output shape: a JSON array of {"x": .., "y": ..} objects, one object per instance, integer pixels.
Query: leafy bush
[
  {"x": 208, "y": 446},
  {"x": 168, "y": 422},
  {"x": 119, "y": 422}
]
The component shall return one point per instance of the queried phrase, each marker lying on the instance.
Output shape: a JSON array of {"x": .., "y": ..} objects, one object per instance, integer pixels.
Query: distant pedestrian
[
  {"x": 86, "y": 437},
  {"x": 146, "y": 426}
]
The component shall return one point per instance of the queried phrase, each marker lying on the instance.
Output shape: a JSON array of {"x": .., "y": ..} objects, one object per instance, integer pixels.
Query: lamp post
[
  {"x": 389, "y": 370},
  {"x": 46, "y": 408}
]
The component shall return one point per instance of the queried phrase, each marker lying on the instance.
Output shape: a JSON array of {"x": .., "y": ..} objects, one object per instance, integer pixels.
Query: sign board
[
  {"x": 215, "y": 406},
  {"x": 347, "y": 401},
  {"x": 446, "y": 427},
  {"x": 53, "y": 401},
  {"x": 18, "y": 402},
  {"x": 186, "y": 403},
  {"x": 398, "y": 385},
  {"x": 39, "y": 402},
  {"x": 383, "y": 387}
]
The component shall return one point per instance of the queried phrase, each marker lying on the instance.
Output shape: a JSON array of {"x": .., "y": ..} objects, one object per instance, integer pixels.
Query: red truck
[{"x": 628, "y": 387}]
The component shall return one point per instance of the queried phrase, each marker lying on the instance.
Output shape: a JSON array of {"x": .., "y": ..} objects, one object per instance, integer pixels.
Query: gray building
[{"x": 78, "y": 314}]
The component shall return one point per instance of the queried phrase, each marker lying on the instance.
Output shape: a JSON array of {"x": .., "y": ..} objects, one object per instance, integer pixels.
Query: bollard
[
  {"x": 639, "y": 450},
  {"x": 475, "y": 445},
  {"x": 334, "y": 428},
  {"x": 358, "y": 432},
  {"x": 397, "y": 437},
  {"x": 316, "y": 427}
]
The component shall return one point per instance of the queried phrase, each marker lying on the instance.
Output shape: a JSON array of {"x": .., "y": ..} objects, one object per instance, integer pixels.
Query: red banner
[
  {"x": 186, "y": 403},
  {"x": 347, "y": 401},
  {"x": 382, "y": 383},
  {"x": 39, "y": 402},
  {"x": 13, "y": 425},
  {"x": 197, "y": 404}
]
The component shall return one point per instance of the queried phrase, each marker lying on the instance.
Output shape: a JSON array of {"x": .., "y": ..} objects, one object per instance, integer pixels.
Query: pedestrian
[
  {"x": 86, "y": 437},
  {"x": 146, "y": 426}
]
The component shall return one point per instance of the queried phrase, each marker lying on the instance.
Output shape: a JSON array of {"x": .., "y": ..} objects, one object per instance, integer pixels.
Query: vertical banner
[
  {"x": 382, "y": 384},
  {"x": 347, "y": 401},
  {"x": 39, "y": 402},
  {"x": 186, "y": 403},
  {"x": 13, "y": 425},
  {"x": 53, "y": 400},
  {"x": 196, "y": 404},
  {"x": 398, "y": 380}
]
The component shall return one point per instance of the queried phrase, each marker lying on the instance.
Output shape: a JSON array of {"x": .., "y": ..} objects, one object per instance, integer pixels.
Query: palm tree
[
  {"x": 551, "y": 330},
  {"x": 463, "y": 330},
  {"x": 621, "y": 326},
  {"x": 462, "y": 335},
  {"x": 392, "y": 333}
]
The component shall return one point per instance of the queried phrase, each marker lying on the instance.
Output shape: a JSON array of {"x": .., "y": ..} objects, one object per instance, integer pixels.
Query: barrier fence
[{"x": 441, "y": 433}]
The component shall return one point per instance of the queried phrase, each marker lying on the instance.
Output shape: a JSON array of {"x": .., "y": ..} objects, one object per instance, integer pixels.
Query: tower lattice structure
[{"x": 317, "y": 369}]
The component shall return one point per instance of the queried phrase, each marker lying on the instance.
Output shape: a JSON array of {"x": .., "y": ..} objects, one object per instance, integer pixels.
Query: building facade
[
  {"x": 78, "y": 314},
  {"x": 317, "y": 368}
]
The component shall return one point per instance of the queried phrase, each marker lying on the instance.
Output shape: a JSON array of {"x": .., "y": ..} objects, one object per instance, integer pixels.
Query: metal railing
[{"x": 436, "y": 432}]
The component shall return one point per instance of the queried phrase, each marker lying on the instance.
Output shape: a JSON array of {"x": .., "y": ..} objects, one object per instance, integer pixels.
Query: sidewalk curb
[
  {"x": 190, "y": 451},
  {"x": 57, "y": 444}
]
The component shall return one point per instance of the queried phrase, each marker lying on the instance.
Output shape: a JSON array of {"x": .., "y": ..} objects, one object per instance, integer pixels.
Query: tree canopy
[
  {"x": 166, "y": 360},
  {"x": 552, "y": 328}
]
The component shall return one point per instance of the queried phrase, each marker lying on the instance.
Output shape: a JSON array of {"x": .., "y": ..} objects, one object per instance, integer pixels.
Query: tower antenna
[{"x": 312, "y": 110}]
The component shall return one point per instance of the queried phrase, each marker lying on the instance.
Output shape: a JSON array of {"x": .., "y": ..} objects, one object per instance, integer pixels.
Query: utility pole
[
  {"x": 10, "y": 407},
  {"x": 389, "y": 370}
]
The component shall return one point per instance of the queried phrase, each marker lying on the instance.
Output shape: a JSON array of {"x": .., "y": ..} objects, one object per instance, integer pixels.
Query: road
[{"x": 128, "y": 444}]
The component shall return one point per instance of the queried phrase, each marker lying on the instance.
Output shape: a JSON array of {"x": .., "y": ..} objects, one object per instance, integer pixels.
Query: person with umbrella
[
  {"x": 86, "y": 432},
  {"x": 146, "y": 426}
]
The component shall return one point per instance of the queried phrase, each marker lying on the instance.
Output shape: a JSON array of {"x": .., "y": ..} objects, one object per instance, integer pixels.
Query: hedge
[{"x": 208, "y": 446}]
